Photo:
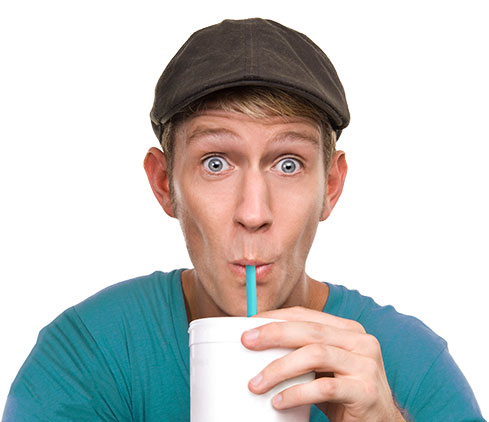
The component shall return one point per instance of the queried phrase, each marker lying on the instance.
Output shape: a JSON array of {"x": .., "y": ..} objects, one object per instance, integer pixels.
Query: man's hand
[{"x": 350, "y": 385}]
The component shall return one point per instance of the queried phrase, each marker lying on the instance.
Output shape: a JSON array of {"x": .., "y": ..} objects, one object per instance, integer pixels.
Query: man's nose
[{"x": 253, "y": 207}]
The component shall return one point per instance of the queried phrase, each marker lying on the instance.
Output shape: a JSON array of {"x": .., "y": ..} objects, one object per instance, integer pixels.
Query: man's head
[{"x": 249, "y": 165}]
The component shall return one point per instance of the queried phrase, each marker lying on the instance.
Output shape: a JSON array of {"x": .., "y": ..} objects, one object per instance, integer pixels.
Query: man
[{"x": 248, "y": 114}]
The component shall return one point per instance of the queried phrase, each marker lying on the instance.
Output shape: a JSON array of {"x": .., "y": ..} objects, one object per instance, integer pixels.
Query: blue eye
[
  {"x": 215, "y": 164},
  {"x": 288, "y": 165}
]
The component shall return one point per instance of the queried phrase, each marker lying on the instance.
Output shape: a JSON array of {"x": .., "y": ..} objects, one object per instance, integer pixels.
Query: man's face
[{"x": 248, "y": 192}]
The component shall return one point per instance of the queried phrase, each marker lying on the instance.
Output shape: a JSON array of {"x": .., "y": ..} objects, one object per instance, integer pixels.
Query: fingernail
[
  {"x": 251, "y": 335},
  {"x": 256, "y": 380},
  {"x": 277, "y": 401}
]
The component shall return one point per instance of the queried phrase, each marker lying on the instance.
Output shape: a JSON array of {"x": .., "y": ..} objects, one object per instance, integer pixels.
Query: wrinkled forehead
[{"x": 216, "y": 124}]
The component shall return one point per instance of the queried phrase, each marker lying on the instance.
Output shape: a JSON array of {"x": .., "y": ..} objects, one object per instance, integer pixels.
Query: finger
[
  {"x": 298, "y": 313},
  {"x": 296, "y": 334},
  {"x": 332, "y": 390},
  {"x": 313, "y": 357}
]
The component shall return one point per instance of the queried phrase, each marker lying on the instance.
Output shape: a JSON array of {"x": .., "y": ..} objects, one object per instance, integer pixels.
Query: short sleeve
[
  {"x": 445, "y": 395},
  {"x": 66, "y": 378}
]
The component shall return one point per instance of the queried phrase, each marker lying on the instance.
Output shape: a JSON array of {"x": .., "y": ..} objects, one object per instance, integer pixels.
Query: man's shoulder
[
  {"x": 123, "y": 313},
  {"x": 155, "y": 286},
  {"x": 131, "y": 300},
  {"x": 92, "y": 357},
  {"x": 409, "y": 347},
  {"x": 392, "y": 328}
]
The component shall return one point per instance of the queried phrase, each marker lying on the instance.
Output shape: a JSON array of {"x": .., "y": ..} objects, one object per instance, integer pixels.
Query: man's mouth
[{"x": 262, "y": 268}]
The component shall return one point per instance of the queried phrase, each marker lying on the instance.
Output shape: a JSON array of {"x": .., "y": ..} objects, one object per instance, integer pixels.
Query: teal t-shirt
[{"x": 122, "y": 355}]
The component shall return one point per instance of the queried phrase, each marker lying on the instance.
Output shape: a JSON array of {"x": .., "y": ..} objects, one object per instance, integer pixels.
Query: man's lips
[{"x": 262, "y": 268}]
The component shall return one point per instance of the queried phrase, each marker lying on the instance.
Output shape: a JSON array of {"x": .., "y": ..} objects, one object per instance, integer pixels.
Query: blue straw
[{"x": 251, "y": 290}]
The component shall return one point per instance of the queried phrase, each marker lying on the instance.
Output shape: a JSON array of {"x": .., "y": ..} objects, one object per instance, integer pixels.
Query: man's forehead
[{"x": 226, "y": 126}]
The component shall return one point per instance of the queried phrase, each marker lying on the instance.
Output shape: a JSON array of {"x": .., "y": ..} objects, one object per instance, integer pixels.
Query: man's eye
[
  {"x": 215, "y": 164},
  {"x": 288, "y": 166}
]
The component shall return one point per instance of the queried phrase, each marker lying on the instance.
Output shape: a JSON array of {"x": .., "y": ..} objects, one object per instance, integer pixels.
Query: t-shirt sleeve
[
  {"x": 66, "y": 378},
  {"x": 445, "y": 395}
]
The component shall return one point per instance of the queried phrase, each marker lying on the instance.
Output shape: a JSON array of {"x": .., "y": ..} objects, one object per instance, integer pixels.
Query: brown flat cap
[{"x": 250, "y": 52}]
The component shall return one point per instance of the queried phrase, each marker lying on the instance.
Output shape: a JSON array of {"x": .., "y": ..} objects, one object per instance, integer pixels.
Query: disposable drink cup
[{"x": 220, "y": 368}]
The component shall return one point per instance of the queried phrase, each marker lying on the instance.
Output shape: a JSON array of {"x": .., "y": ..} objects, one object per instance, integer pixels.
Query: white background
[{"x": 77, "y": 214}]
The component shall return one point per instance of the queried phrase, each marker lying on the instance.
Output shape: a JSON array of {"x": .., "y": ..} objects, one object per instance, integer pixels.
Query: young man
[{"x": 248, "y": 113}]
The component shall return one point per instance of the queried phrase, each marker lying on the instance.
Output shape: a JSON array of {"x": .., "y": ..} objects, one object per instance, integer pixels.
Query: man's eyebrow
[
  {"x": 297, "y": 136},
  {"x": 290, "y": 135},
  {"x": 203, "y": 132}
]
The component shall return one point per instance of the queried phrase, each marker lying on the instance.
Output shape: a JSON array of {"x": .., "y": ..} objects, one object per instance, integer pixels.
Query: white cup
[{"x": 220, "y": 368}]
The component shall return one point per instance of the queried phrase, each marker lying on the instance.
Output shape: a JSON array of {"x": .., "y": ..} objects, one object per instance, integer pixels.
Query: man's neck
[{"x": 310, "y": 294}]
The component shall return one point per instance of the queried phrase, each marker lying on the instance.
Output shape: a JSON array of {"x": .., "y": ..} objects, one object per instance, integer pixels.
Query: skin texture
[{"x": 252, "y": 192}]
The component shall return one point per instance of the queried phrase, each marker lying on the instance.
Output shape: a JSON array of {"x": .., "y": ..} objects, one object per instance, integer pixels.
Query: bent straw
[{"x": 251, "y": 290}]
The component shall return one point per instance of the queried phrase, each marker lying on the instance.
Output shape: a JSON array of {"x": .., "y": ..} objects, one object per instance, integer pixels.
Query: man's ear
[
  {"x": 336, "y": 180},
  {"x": 155, "y": 166}
]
